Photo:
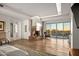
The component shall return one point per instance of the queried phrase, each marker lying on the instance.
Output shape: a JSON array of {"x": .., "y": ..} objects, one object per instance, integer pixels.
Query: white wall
[
  {"x": 9, "y": 20},
  {"x": 17, "y": 35},
  {"x": 25, "y": 35},
  {"x": 21, "y": 34},
  {"x": 35, "y": 20},
  {"x": 74, "y": 33}
]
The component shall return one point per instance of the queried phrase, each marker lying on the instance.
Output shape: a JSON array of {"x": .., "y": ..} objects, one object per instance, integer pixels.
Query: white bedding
[{"x": 9, "y": 50}]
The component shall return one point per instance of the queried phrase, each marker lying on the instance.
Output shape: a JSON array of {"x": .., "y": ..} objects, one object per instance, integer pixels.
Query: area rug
[{"x": 8, "y": 50}]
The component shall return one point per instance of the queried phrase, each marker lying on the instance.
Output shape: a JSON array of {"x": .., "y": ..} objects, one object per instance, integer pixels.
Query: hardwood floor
[{"x": 46, "y": 46}]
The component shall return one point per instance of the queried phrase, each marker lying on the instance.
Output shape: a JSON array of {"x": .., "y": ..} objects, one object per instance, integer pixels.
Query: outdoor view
[{"x": 58, "y": 30}]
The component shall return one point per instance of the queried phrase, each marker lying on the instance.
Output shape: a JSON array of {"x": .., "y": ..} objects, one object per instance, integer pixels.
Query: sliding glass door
[{"x": 59, "y": 32}]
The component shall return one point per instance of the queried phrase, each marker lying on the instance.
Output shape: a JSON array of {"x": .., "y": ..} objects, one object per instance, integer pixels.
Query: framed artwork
[{"x": 1, "y": 25}]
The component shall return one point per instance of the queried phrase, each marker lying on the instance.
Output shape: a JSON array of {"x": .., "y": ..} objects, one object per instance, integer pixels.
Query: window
[
  {"x": 48, "y": 29},
  {"x": 59, "y": 26},
  {"x": 48, "y": 26},
  {"x": 16, "y": 28},
  {"x": 58, "y": 29},
  {"x": 66, "y": 26}
]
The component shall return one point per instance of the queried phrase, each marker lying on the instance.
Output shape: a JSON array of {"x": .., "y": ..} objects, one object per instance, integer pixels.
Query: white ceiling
[
  {"x": 36, "y": 9},
  {"x": 65, "y": 8}
]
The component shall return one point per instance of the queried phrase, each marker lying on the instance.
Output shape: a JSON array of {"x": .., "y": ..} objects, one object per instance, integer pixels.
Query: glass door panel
[
  {"x": 53, "y": 30},
  {"x": 48, "y": 29},
  {"x": 53, "y": 34},
  {"x": 59, "y": 34},
  {"x": 66, "y": 34}
]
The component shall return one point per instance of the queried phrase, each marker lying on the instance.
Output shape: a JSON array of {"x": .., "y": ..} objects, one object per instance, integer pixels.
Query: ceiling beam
[
  {"x": 51, "y": 17},
  {"x": 58, "y": 5}
]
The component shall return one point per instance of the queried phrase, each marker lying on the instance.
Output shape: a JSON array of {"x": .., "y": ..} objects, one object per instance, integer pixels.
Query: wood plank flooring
[{"x": 46, "y": 46}]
